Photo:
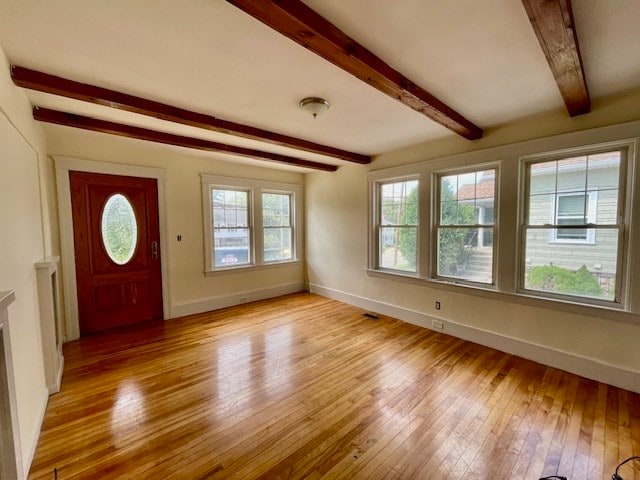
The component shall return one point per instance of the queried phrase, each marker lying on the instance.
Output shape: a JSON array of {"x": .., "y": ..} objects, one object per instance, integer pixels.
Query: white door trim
[{"x": 63, "y": 166}]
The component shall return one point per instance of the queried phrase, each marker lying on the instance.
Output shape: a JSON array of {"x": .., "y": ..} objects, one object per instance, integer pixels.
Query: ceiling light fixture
[{"x": 314, "y": 105}]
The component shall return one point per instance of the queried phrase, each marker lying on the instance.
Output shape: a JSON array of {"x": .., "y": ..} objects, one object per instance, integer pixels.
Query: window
[
  {"x": 397, "y": 221},
  {"x": 575, "y": 250},
  {"x": 572, "y": 209},
  {"x": 231, "y": 229},
  {"x": 464, "y": 225},
  {"x": 119, "y": 229},
  {"x": 249, "y": 223},
  {"x": 276, "y": 223},
  {"x": 564, "y": 233}
]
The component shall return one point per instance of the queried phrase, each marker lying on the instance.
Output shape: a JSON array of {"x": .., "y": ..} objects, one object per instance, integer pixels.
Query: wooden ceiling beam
[
  {"x": 295, "y": 20},
  {"x": 129, "y": 131},
  {"x": 553, "y": 22},
  {"x": 43, "y": 82}
]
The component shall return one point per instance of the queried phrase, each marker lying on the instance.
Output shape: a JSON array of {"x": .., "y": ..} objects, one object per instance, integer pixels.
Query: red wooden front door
[{"x": 117, "y": 248}]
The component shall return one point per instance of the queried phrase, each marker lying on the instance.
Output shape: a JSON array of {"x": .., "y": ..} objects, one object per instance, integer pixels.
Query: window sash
[
  {"x": 288, "y": 245},
  {"x": 393, "y": 239}
]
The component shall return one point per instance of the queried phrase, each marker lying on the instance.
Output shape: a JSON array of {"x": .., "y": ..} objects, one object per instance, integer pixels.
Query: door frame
[{"x": 63, "y": 166}]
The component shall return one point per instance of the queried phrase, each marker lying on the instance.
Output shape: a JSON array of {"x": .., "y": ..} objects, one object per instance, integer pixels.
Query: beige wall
[
  {"x": 337, "y": 214},
  {"x": 190, "y": 290},
  {"x": 25, "y": 239}
]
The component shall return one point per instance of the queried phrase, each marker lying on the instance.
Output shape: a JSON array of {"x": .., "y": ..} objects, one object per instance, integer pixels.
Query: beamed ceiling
[{"x": 227, "y": 76}]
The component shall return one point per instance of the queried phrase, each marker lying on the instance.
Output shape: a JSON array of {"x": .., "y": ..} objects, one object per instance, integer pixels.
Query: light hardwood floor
[{"x": 306, "y": 387}]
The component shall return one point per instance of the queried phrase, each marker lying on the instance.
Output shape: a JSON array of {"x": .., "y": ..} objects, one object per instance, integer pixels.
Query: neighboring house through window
[
  {"x": 516, "y": 220},
  {"x": 574, "y": 250},
  {"x": 574, "y": 209}
]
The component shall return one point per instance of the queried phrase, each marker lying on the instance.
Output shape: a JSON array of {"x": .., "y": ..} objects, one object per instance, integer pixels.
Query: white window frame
[
  {"x": 510, "y": 258},
  {"x": 436, "y": 225},
  {"x": 256, "y": 237},
  {"x": 625, "y": 193},
  {"x": 291, "y": 224},
  {"x": 249, "y": 227},
  {"x": 376, "y": 248}
]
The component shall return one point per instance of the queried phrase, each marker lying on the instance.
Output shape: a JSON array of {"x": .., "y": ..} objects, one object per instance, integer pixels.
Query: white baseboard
[
  {"x": 567, "y": 361},
  {"x": 55, "y": 386},
  {"x": 27, "y": 456},
  {"x": 180, "y": 309}
]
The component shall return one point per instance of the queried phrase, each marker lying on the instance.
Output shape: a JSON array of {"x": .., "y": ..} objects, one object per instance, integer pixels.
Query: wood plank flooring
[{"x": 306, "y": 387}]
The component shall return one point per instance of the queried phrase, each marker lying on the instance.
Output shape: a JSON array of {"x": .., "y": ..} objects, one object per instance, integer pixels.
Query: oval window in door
[{"x": 119, "y": 229}]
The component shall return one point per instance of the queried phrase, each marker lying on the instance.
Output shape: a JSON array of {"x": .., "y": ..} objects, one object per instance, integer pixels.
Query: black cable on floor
[{"x": 616, "y": 476}]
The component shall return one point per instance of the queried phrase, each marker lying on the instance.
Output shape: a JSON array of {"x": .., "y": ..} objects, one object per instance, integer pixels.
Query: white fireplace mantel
[{"x": 50, "y": 321}]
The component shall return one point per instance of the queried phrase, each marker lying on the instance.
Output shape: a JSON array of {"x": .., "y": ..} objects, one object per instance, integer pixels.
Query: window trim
[{"x": 256, "y": 236}]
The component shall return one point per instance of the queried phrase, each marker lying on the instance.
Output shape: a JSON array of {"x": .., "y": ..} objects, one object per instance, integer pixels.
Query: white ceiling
[{"x": 482, "y": 58}]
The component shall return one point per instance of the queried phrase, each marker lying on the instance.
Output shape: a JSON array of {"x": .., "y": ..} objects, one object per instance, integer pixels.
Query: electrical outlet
[
  {"x": 437, "y": 324},
  {"x": 437, "y": 305},
  {"x": 243, "y": 299}
]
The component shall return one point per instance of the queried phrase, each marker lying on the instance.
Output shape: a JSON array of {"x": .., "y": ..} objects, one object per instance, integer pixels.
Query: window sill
[
  {"x": 251, "y": 268},
  {"x": 611, "y": 312}
]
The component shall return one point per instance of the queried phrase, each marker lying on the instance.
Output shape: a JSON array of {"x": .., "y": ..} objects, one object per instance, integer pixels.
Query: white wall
[
  {"x": 584, "y": 342},
  {"x": 24, "y": 240},
  {"x": 190, "y": 291}
]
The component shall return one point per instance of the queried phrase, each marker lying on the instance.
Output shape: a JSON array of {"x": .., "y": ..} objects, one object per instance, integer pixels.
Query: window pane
[
  {"x": 277, "y": 244},
  {"x": 466, "y": 253},
  {"x": 398, "y": 248},
  {"x": 572, "y": 205},
  {"x": 230, "y": 208},
  {"x": 603, "y": 171},
  {"x": 572, "y": 174},
  {"x": 276, "y": 209},
  {"x": 585, "y": 270},
  {"x": 465, "y": 198},
  {"x": 542, "y": 178},
  {"x": 119, "y": 229},
  {"x": 541, "y": 209},
  {"x": 231, "y": 246},
  {"x": 399, "y": 203},
  {"x": 448, "y": 213}
]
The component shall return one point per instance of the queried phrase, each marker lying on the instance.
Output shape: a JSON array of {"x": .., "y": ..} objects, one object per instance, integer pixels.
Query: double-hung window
[
  {"x": 397, "y": 224},
  {"x": 465, "y": 224},
  {"x": 249, "y": 223},
  {"x": 573, "y": 229},
  {"x": 231, "y": 227},
  {"x": 277, "y": 226}
]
